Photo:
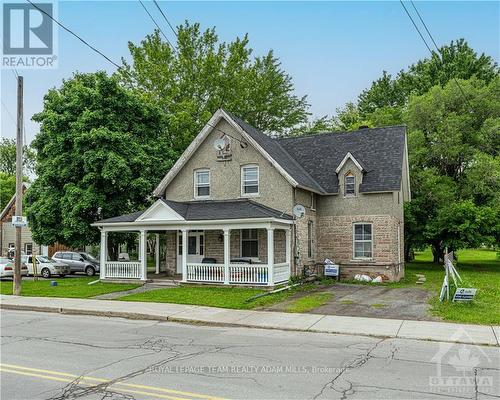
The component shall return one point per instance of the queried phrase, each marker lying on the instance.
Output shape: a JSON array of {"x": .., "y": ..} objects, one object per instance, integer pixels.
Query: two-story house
[{"x": 227, "y": 208}]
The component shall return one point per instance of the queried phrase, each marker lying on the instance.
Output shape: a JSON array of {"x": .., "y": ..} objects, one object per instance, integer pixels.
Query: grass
[
  {"x": 479, "y": 268},
  {"x": 231, "y": 297},
  {"x": 309, "y": 302},
  {"x": 347, "y": 302},
  {"x": 378, "y": 305},
  {"x": 66, "y": 287}
]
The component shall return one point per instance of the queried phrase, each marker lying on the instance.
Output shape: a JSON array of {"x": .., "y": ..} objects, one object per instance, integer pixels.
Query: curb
[{"x": 188, "y": 321}]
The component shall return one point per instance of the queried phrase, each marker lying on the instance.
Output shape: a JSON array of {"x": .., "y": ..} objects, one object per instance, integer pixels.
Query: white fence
[
  {"x": 205, "y": 272},
  {"x": 255, "y": 274},
  {"x": 120, "y": 269}
]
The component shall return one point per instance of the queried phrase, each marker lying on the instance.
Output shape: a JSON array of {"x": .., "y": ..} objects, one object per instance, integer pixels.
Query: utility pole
[{"x": 16, "y": 290}]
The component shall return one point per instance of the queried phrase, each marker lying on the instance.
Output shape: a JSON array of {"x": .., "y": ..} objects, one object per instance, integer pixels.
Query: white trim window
[
  {"x": 350, "y": 185},
  {"x": 28, "y": 248},
  {"x": 250, "y": 243},
  {"x": 363, "y": 240},
  {"x": 313, "y": 201},
  {"x": 250, "y": 180},
  {"x": 202, "y": 183}
]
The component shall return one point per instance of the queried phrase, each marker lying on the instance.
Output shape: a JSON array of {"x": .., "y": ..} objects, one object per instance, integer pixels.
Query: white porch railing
[
  {"x": 121, "y": 269},
  {"x": 255, "y": 274},
  {"x": 205, "y": 272},
  {"x": 281, "y": 272},
  {"x": 248, "y": 273}
]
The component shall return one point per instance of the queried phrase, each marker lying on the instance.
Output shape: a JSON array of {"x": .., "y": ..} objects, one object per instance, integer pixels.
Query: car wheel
[
  {"x": 90, "y": 271},
  {"x": 46, "y": 273}
]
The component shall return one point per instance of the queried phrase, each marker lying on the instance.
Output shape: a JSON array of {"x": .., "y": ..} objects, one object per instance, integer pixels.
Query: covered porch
[{"x": 243, "y": 244}]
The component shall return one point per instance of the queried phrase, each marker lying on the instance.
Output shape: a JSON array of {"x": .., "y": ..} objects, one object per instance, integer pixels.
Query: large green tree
[
  {"x": 101, "y": 150},
  {"x": 8, "y": 157},
  {"x": 203, "y": 74}
]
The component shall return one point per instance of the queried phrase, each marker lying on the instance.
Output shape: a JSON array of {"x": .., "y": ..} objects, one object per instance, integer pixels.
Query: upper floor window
[
  {"x": 313, "y": 201},
  {"x": 363, "y": 240},
  {"x": 202, "y": 183},
  {"x": 249, "y": 180},
  {"x": 350, "y": 185}
]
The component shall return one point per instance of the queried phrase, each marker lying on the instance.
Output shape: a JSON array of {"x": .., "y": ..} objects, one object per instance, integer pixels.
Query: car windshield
[
  {"x": 43, "y": 259},
  {"x": 87, "y": 256}
]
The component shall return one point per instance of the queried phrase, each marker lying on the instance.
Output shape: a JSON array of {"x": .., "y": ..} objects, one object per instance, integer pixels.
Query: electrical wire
[
  {"x": 74, "y": 34},
  {"x": 158, "y": 26},
  {"x": 166, "y": 19}
]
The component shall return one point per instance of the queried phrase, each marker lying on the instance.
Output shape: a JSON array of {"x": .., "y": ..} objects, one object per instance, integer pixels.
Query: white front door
[{"x": 195, "y": 248}]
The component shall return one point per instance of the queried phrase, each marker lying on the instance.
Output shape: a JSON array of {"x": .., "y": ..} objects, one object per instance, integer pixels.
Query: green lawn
[
  {"x": 231, "y": 297},
  {"x": 66, "y": 287},
  {"x": 309, "y": 302},
  {"x": 478, "y": 268}
]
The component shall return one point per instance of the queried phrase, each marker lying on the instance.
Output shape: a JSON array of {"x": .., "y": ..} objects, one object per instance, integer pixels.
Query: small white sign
[
  {"x": 19, "y": 221},
  {"x": 464, "y": 294},
  {"x": 331, "y": 270}
]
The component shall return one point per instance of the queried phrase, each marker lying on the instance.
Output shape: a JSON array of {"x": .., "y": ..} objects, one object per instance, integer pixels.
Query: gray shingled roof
[
  {"x": 379, "y": 150},
  {"x": 312, "y": 160},
  {"x": 279, "y": 154},
  {"x": 211, "y": 210}
]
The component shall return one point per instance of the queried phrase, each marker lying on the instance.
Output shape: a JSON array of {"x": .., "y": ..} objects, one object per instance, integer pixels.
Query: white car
[
  {"x": 7, "y": 268},
  {"x": 46, "y": 267}
]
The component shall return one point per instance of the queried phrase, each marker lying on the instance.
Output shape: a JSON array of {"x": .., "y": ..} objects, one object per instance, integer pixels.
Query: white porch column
[
  {"x": 143, "y": 252},
  {"x": 270, "y": 256},
  {"x": 184, "y": 254},
  {"x": 104, "y": 254},
  {"x": 157, "y": 253},
  {"x": 227, "y": 254},
  {"x": 288, "y": 247}
]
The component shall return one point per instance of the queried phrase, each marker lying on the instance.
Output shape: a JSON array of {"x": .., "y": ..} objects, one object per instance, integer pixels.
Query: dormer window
[
  {"x": 202, "y": 183},
  {"x": 350, "y": 185}
]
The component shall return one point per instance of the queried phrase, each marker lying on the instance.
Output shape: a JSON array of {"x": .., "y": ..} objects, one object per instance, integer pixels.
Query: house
[
  {"x": 8, "y": 233},
  {"x": 225, "y": 209}
]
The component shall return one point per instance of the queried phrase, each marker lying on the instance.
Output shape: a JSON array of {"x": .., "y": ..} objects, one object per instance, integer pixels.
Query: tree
[
  {"x": 202, "y": 75},
  {"x": 455, "y": 174},
  {"x": 101, "y": 150},
  {"x": 8, "y": 157},
  {"x": 7, "y": 188}
]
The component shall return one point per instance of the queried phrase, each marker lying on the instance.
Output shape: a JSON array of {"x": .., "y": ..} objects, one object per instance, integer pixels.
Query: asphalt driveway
[{"x": 370, "y": 301}]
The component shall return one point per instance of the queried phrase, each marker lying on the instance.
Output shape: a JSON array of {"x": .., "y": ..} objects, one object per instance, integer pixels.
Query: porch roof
[{"x": 204, "y": 210}]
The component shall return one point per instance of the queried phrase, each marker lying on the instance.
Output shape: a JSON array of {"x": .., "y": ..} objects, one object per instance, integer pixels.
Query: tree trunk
[{"x": 437, "y": 252}]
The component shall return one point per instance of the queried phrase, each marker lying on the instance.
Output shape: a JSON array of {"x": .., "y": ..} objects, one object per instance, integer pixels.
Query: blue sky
[{"x": 332, "y": 49}]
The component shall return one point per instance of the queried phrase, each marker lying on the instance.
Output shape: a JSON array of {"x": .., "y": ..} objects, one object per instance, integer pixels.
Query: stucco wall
[{"x": 225, "y": 177}]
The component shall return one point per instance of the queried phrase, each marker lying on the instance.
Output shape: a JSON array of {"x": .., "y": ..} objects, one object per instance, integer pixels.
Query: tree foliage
[
  {"x": 203, "y": 74},
  {"x": 7, "y": 188},
  {"x": 8, "y": 157},
  {"x": 100, "y": 152}
]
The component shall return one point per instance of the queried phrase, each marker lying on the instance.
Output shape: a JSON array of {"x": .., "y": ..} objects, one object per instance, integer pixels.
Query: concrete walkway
[{"x": 378, "y": 327}]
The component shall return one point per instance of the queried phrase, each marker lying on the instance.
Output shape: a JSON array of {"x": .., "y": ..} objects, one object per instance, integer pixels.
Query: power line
[
  {"x": 166, "y": 19},
  {"x": 439, "y": 53},
  {"x": 430, "y": 50},
  {"x": 158, "y": 26},
  {"x": 9, "y": 113},
  {"x": 74, "y": 34}
]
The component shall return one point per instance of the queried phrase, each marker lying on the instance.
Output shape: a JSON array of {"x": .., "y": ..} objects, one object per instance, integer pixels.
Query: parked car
[
  {"x": 7, "y": 268},
  {"x": 78, "y": 261},
  {"x": 47, "y": 267}
]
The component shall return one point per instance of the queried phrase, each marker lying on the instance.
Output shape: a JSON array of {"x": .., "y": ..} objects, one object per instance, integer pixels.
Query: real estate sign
[{"x": 464, "y": 294}]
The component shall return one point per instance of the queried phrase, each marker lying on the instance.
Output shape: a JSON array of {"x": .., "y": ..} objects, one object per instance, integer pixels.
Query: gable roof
[
  {"x": 379, "y": 151},
  {"x": 12, "y": 202},
  {"x": 206, "y": 210},
  {"x": 310, "y": 162}
]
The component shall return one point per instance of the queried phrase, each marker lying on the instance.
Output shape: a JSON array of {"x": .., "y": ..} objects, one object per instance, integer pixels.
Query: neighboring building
[
  {"x": 231, "y": 195},
  {"x": 8, "y": 233}
]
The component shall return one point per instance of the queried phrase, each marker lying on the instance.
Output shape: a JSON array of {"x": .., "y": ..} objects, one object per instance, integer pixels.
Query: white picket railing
[
  {"x": 248, "y": 273},
  {"x": 121, "y": 269},
  {"x": 205, "y": 272},
  {"x": 281, "y": 272}
]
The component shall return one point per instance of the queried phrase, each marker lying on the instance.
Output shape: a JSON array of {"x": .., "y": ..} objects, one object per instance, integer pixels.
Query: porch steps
[{"x": 163, "y": 282}]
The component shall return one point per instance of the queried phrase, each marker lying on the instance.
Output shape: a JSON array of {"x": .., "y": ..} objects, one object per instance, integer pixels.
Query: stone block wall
[
  {"x": 171, "y": 252},
  {"x": 335, "y": 241}
]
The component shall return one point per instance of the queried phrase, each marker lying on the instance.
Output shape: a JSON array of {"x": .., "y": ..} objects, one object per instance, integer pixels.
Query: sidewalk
[{"x": 393, "y": 328}]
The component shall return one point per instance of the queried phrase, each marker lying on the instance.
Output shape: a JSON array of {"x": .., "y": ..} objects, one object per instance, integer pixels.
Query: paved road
[{"x": 52, "y": 356}]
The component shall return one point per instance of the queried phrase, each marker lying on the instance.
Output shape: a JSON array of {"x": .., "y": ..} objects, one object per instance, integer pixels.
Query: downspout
[{"x": 294, "y": 236}]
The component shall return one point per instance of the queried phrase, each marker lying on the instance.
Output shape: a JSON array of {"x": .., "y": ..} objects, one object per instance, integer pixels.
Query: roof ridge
[{"x": 283, "y": 138}]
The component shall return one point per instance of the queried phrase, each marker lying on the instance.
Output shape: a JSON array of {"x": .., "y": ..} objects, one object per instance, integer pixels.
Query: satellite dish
[
  {"x": 299, "y": 210},
  {"x": 219, "y": 144}
]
